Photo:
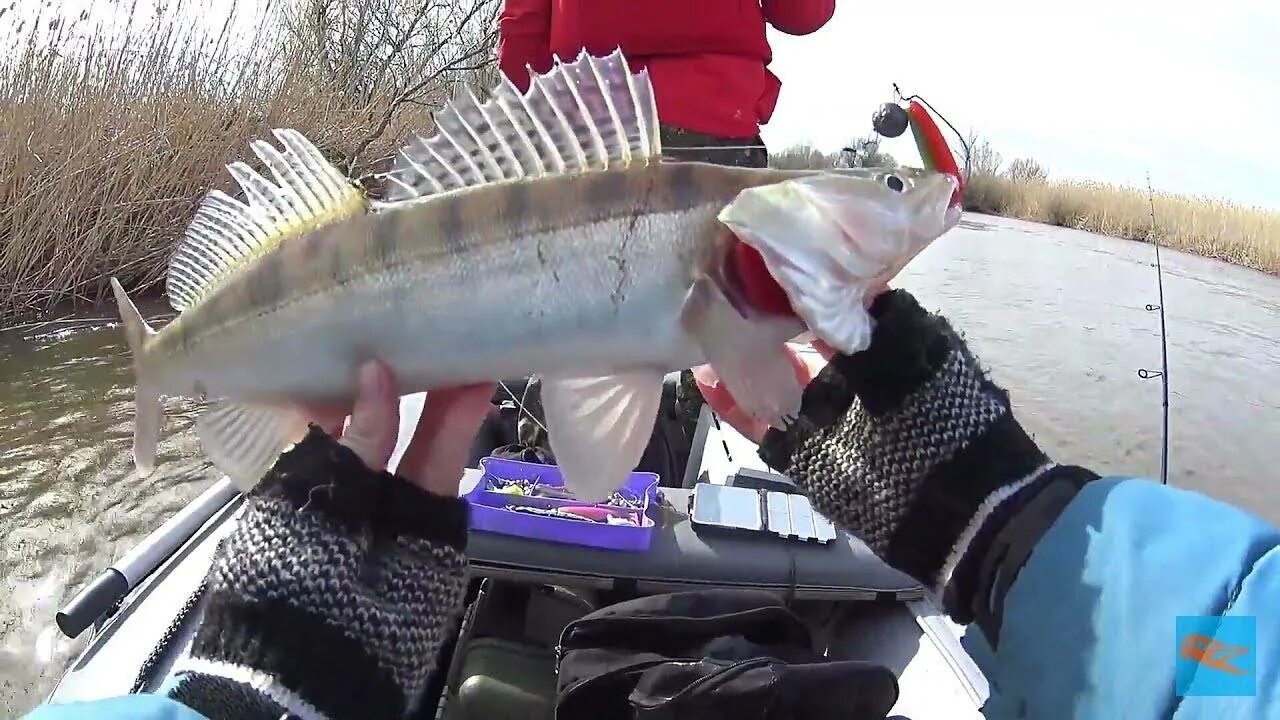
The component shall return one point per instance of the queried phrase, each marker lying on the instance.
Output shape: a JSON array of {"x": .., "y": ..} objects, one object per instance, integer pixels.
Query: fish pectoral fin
[
  {"x": 599, "y": 427},
  {"x": 750, "y": 356},
  {"x": 244, "y": 441}
]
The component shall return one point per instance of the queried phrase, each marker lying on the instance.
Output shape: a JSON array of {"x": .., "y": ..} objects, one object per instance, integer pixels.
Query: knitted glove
[
  {"x": 331, "y": 597},
  {"x": 912, "y": 448}
]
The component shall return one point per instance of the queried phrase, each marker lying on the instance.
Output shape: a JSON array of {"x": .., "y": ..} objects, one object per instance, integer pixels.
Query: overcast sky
[
  {"x": 1103, "y": 89},
  {"x": 1100, "y": 89}
]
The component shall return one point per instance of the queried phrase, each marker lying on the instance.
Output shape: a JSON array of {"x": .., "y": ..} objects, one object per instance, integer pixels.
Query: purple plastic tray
[{"x": 489, "y": 513}]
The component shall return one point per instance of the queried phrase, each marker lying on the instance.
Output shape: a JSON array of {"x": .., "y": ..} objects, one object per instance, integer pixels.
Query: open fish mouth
[{"x": 831, "y": 238}]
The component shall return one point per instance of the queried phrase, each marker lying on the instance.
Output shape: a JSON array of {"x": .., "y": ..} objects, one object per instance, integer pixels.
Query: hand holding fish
[
  {"x": 723, "y": 403},
  {"x": 806, "y": 367},
  {"x": 437, "y": 453}
]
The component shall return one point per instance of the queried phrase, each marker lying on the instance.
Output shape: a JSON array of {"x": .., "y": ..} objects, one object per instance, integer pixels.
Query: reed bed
[
  {"x": 1205, "y": 226},
  {"x": 1246, "y": 236},
  {"x": 110, "y": 137}
]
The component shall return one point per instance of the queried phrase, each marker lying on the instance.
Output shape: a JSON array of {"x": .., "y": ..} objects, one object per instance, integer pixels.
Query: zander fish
[{"x": 535, "y": 233}]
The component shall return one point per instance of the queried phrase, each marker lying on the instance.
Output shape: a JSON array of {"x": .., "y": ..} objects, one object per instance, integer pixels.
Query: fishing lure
[
  {"x": 933, "y": 146},
  {"x": 892, "y": 119}
]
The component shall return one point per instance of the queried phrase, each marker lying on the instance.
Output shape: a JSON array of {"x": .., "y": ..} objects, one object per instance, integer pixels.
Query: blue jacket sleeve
[
  {"x": 125, "y": 707},
  {"x": 1090, "y": 625}
]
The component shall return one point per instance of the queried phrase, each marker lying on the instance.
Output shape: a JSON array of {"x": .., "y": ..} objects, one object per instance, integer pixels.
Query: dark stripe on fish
[
  {"x": 606, "y": 191},
  {"x": 265, "y": 286},
  {"x": 518, "y": 204},
  {"x": 386, "y": 235},
  {"x": 308, "y": 247},
  {"x": 452, "y": 223},
  {"x": 682, "y": 184}
]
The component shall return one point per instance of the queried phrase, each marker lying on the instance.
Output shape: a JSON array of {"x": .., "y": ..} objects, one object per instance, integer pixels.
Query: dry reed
[
  {"x": 1204, "y": 226},
  {"x": 110, "y": 138}
]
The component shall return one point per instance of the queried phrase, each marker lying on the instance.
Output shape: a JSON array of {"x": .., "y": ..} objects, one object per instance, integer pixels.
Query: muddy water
[{"x": 1058, "y": 315}]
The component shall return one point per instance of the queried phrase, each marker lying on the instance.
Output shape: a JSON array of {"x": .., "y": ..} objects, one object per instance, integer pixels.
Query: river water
[{"x": 1058, "y": 315}]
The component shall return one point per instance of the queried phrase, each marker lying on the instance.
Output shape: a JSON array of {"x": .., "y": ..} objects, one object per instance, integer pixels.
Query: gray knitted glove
[
  {"x": 332, "y": 596},
  {"x": 911, "y": 447}
]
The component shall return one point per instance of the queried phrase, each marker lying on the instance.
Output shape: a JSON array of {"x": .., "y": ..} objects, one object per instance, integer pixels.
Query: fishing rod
[{"x": 1163, "y": 372}]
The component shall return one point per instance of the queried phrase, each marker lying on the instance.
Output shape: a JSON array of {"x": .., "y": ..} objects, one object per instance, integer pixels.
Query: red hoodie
[{"x": 708, "y": 58}]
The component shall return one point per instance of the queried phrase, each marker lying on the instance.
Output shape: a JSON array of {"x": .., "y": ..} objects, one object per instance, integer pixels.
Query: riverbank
[
  {"x": 1244, "y": 236},
  {"x": 1022, "y": 189}
]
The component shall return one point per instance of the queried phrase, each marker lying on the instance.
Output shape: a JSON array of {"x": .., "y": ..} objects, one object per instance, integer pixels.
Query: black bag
[{"x": 736, "y": 654}]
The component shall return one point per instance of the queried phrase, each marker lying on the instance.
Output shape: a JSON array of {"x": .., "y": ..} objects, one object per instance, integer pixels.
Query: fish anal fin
[
  {"x": 599, "y": 427},
  {"x": 749, "y": 355},
  {"x": 306, "y": 193},
  {"x": 586, "y": 115},
  {"x": 244, "y": 441}
]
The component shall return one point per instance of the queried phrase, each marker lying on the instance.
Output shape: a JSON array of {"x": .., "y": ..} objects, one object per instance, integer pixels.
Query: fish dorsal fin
[
  {"x": 227, "y": 233},
  {"x": 582, "y": 116}
]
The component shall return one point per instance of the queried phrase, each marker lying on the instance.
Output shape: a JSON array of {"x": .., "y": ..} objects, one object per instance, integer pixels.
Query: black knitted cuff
[
  {"x": 217, "y": 697},
  {"x": 273, "y": 638},
  {"x": 908, "y": 345},
  {"x": 320, "y": 474}
]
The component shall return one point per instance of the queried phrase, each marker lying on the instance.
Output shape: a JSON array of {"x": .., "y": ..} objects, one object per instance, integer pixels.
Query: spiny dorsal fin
[
  {"x": 226, "y": 233},
  {"x": 586, "y": 115}
]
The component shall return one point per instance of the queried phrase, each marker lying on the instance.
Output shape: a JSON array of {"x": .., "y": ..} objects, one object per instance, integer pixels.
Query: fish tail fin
[{"x": 149, "y": 413}]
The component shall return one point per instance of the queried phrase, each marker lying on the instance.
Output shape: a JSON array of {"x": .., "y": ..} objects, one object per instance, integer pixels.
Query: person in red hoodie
[
  {"x": 709, "y": 65},
  {"x": 709, "y": 60}
]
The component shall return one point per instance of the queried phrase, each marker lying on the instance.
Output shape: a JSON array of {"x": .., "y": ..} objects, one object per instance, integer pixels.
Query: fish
[{"x": 534, "y": 233}]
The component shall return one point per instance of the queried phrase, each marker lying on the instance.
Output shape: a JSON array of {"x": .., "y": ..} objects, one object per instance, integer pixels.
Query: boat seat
[
  {"x": 504, "y": 667},
  {"x": 504, "y": 680}
]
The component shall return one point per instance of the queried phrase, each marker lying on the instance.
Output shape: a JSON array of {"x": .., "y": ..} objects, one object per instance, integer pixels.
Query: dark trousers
[{"x": 679, "y": 144}]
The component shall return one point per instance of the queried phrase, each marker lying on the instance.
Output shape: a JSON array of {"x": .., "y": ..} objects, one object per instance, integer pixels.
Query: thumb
[{"x": 375, "y": 417}]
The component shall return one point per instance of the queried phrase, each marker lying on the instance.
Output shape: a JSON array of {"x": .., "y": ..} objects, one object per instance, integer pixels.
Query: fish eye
[{"x": 894, "y": 182}]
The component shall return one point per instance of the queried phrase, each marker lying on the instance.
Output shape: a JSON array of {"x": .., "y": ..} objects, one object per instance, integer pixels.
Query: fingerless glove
[
  {"x": 332, "y": 596},
  {"x": 912, "y": 447}
]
